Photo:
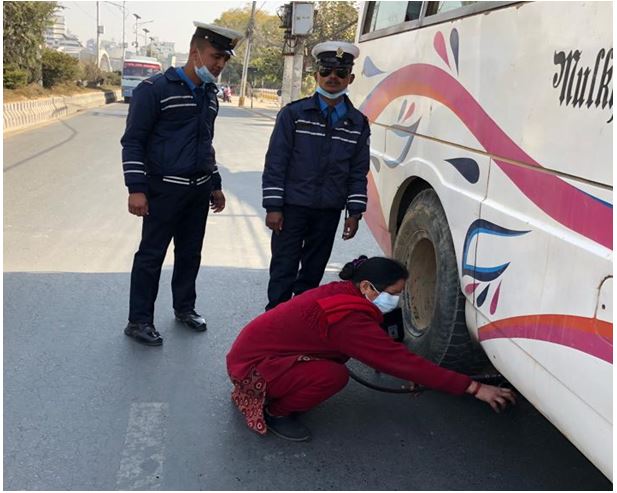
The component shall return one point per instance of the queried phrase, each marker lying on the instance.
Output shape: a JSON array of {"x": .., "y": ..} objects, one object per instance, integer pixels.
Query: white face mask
[
  {"x": 330, "y": 95},
  {"x": 203, "y": 73},
  {"x": 385, "y": 301}
]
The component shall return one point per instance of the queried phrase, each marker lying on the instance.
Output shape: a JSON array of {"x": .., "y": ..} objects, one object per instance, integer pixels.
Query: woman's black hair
[{"x": 381, "y": 272}]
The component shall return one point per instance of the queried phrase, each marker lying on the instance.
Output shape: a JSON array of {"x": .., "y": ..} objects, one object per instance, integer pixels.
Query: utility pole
[
  {"x": 247, "y": 54},
  {"x": 297, "y": 20},
  {"x": 146, "y": 31},
  {"x": 98, "y": 34}
]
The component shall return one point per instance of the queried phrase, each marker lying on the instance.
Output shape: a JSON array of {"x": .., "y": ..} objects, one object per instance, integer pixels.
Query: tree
[
  {"x": 24, "y": 24},
  {"x": 334, "y": 21},
  {"x": 266, "y": 50},
  {"x": 58, "y": 68}
]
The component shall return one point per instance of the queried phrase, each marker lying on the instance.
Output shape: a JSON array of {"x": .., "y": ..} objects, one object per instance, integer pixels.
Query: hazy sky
[{"x": 173, "y": 21}]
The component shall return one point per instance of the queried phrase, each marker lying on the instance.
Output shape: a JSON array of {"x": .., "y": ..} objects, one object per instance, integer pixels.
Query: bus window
[
  {"x": 439, "y": 7},
  {"x": 382, "y": 15},
  {"x": 140, "y": 71}
]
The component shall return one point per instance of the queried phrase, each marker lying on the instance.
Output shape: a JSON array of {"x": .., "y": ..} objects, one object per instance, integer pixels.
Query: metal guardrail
[{"x": 23, "y": 114}]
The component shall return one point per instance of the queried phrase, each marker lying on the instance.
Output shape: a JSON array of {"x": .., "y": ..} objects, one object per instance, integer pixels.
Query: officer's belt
[{"x": 180, "y": 180}]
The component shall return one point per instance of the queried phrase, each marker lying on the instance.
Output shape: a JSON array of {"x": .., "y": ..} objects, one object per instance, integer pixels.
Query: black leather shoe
[
  {"x": 144, "y": 333},
  {"x": 192, "y": 319},
  {"x": 287, "y": 427}
]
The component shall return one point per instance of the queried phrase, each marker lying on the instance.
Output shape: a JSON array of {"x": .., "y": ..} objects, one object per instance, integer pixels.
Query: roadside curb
[{"x": 20, "y": 115}]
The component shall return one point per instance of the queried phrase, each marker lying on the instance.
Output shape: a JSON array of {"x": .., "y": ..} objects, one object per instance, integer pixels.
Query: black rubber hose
[{"x": 488, "y": 378}]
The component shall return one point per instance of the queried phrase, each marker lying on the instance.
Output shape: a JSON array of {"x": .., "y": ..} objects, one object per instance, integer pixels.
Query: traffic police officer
[
  {"x": 316, "y": 165},
  {"x": 172, "y": 178}
]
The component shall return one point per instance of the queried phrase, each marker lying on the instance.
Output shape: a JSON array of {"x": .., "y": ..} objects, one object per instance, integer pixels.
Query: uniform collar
[
  {"x": 352, "y": 114},
  {"x": 182, "y": 74},
  {"x": 340, "y": 108}
]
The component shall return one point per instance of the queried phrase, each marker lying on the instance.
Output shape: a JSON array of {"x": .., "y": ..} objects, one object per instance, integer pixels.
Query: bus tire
[
  {"x": 127, "y": 99},
  {"x": 433, "y": 305}
]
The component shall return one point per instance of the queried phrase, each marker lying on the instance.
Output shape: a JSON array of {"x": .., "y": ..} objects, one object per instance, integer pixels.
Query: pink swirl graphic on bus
[
  {"x": 589, "y": 335},
  {"x": 566, "y": 204}
]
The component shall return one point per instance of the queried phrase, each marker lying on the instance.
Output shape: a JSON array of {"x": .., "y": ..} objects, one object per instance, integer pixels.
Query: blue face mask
[
  {"x": 203, "y": 73},
  {"x": 385, "y": 301},
  {"x": 330, "y": 95}
]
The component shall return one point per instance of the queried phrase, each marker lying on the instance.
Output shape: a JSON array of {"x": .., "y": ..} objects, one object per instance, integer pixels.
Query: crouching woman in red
[{"x": 291, "y": 358}]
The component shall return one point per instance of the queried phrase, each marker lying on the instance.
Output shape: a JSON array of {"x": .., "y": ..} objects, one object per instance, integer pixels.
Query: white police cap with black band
[
  {"x": 335, "y": 53},
  {"x": 222, "y": 38}
]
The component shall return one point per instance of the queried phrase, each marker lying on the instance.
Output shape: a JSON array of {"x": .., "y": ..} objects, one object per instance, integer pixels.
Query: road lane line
[{"x": 141, "y": 466}]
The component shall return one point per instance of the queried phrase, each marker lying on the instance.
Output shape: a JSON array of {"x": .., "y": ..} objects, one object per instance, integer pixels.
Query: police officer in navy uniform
[
  {"x": 316, "y": 166},
  {"x": 172, "y": 178}
]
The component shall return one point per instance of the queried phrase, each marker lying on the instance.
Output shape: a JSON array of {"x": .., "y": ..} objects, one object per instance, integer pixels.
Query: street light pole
[
  {"x": 123, "y": 9},
  {"x": 146, "y": 31},
  {"x": 137, "y": 17},
  {"x": 98, "y": 34},
  {"x": 247, "y": 54},
  {"x": 123, "y": 32}
]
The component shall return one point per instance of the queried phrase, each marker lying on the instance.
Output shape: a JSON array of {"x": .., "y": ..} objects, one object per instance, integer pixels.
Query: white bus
[
  {"x": 491, "y": 179},
  {"x": 136, "y": 69}
]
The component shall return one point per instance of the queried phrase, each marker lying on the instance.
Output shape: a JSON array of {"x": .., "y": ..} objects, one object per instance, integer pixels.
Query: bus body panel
[
  {"x": 588, "y": 430},
  {"x": 507, "y": 115}
]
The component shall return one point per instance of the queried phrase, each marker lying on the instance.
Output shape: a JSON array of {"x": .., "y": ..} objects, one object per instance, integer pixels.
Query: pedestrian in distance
[
  {"x": 227, "y": 94},
  {"x": 170, "y": 170},
  {"x": 290, "y": 359},
  {"x": 315, "y": 166}
]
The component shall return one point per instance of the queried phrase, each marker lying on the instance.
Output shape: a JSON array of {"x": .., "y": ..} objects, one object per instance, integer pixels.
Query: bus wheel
[
  {"x": 432, "y": 303},
  {"x": 127, "y": 99}
]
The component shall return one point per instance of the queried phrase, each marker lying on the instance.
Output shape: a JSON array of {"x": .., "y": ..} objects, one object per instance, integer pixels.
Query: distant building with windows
[{"x": 58, "y": 38}]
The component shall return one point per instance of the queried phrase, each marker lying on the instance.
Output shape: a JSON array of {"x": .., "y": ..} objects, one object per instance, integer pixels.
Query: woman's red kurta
[{"x": 299, "y": 330}]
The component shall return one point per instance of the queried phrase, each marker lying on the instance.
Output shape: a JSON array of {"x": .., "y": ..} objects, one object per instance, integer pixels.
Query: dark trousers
[
  {"x": 306, "y": 241},
  {"x": 179, "y": 212}
]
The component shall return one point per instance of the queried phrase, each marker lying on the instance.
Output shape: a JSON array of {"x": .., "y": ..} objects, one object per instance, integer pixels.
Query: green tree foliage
[
  {"x": 333, "y": 21},
  {"x": 266, "y": 52},
  {"x": 58, "y": 68},
  {"x": 24, "y": 24},
  {"x": 13, "y": 76}
]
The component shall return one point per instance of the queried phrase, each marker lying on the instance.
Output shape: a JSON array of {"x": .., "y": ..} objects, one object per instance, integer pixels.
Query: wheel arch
[{"x": 408, "y": 190}]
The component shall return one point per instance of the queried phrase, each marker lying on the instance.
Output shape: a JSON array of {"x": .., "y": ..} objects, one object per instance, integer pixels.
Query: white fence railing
[{"x": 23, "y": 114}]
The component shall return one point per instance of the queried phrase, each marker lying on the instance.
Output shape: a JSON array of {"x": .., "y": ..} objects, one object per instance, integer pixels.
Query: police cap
[
  {"x": 220, "y": 37},
  {"x": 335, "y": 53}
]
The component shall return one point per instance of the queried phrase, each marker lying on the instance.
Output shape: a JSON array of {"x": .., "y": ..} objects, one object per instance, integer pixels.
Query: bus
[
  {"x": 136, "y": 69},
  {"x": 491, "y": 180}
]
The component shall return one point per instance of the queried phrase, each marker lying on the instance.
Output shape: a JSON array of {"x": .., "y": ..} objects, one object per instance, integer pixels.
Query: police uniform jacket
[
  {"x": 312, "y": 164},
  {"x": 169, "y": 132}
]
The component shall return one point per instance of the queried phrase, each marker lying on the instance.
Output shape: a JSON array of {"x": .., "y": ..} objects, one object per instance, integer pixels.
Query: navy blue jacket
[
  {"x": 169, "y": 132},
  {"x": 312, "y": 165}
]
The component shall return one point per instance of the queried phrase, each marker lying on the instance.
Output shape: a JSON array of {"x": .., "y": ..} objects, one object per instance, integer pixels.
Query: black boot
[
  {"x": 144, "y": 333},
  {"x": 192, "y": 319}
]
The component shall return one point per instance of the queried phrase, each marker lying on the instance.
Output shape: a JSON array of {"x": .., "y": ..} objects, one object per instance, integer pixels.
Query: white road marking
[{"x": 141, "y": 466}]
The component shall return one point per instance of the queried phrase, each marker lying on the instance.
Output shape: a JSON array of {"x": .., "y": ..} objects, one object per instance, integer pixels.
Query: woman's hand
[{"x": 496, "y": 397}]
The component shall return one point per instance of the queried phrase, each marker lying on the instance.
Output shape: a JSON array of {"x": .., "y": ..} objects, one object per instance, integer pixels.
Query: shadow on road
[{"x": 72, "y": 134}]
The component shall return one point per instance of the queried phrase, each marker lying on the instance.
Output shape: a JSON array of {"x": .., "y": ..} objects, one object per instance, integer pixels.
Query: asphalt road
[{"x": 85, "y": 408}]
